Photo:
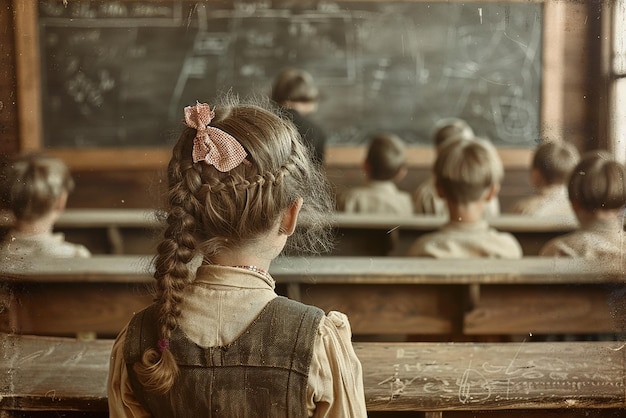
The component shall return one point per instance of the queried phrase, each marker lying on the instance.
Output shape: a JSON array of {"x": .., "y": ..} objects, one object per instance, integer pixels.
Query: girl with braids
[{"x": 220, "y": 342}]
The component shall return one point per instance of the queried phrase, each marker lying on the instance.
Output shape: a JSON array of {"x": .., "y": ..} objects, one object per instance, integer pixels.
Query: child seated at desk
[
  {"x": 553, "y": 161},
  {"x": 426, "y": 200},
  {"x": 597, "y": 192},
  {"x": 384, "y": 165},
  {"x": 468, "y": 174},
  {"x": 35, "y": 189}
]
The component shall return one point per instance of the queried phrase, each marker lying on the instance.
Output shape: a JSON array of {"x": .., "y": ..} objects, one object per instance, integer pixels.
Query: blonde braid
[{"x": 158, "y": 370}]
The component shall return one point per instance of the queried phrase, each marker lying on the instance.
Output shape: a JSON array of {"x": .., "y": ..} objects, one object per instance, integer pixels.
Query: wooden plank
[
  {"x": 356, "y": 234},
  {"x": 419, "y": 156},
  {"x": 491, "y": 376},
  {"x": 399, "y": 309},
  {"x": 553, "y": 69},
  {"x": 41, "y": 373},
  {"x": 59, "y": 309},
  {"x": 530, "y": 310},
  {"x": 380, "y": 296},
  {"x": 27, "y": 73},
  {"x": 148, "y": 218},
  {"x": 336, "y": 270},
  {"x": 57, "y": 374}
]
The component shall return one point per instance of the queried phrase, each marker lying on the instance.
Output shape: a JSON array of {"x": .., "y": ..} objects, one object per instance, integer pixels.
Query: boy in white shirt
[
  {"x": 597, "y": 192},
  {"x": 552, "y": 164},
  {"x": 468, "y": 174},
  {"x": 384, "y": 165}
]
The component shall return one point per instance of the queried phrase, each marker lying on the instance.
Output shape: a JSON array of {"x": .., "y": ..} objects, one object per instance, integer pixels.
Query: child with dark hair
[
  {"x": 35, "y": 189},
  {"x": 295, "y": 91},
  {"x": 384, "y": 165},
  {"x": 597, "y": 192},
  {"x": 220, "y": 342}
]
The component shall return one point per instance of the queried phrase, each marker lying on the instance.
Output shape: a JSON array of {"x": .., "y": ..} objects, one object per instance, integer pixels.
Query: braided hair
[{"x": 210, "y": 211}]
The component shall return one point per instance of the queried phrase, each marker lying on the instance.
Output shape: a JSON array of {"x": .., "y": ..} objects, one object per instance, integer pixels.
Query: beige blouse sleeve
[
  {"x": 335, "y": 376},
  {"x": 122, "y": 401}
]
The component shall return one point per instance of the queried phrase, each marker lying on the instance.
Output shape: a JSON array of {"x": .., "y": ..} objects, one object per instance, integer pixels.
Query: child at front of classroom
[
  {"x": 295, "y": 91},
  {"x": 384, "y": 166},
  {"x": 468, "y": 174},
  {"x": 223, "y": 343},
  {"x": 552, "y": 164},
  {"x": 36, "y": 189},
  {"x": 426, "y": 200},
  {"x": 597, "y": 192}
]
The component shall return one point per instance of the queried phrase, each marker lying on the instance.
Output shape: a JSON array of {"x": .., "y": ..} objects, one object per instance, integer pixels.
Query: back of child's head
[
  {"x": 598, "y": 182},
  {"x": 466, "y": 168},
  {"x": 33, "y": 184},
  {"x": 449, "y": 129},
  {"x": 554, "y": 161},
  {"x": 294, "y": 85},
  {"x": 386, "y": 156},
  {"x": 213, "y": 210}
]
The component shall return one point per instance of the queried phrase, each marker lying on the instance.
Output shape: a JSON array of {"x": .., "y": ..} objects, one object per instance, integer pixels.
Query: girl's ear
[{"x": 290, "y": 217}]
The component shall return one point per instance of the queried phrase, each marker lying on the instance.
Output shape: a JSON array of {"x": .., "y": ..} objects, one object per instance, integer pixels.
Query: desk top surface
[
  {"x": 147, "y": 218},
  {"x": 57, "y": 372},
  {"x": 384, "y": 270}
]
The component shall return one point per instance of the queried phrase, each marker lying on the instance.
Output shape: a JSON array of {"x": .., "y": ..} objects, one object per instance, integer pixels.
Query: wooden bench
[
  {"x": 57, "y": 374},
  {"x": 135, "y": 231},
  {"x": 435, "y": 299}
]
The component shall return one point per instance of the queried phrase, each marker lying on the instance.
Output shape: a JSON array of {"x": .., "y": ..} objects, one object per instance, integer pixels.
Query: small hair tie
[
  {"x": 212, "y": 145},
  {"x": 163, "y": 344}
]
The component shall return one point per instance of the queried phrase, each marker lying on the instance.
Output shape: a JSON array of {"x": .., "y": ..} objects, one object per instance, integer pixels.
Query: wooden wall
[
  {"x": 8, "y": 89},
  {"x": 579, "y": 91}
]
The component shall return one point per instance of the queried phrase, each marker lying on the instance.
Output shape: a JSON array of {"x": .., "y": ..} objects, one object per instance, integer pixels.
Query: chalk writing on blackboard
[{"x": 116, "y": 74}]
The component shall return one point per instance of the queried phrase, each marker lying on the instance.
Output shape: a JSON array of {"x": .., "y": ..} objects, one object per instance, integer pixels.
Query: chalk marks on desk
[
  {"x": 524, "y": 374},
  {"x": 396, "y": 384}
]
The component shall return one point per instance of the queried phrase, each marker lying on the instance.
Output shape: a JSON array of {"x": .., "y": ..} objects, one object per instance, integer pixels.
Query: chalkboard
[{"x": 118, "y": 73}]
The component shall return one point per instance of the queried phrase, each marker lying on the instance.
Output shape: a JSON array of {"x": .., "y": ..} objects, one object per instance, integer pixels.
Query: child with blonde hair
[
  {"x": 384, "y": 165},
  {"x": 552, "y": 163},
  {"x": 220, "y": 342},
  {"x": 36, "y": 188},
  {"x": 597, "y": 192},
  {"x": 468, "y": 174},
  {"x": 426, "y": 200}
]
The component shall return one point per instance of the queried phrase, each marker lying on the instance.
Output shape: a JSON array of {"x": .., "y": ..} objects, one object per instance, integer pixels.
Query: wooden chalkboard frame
[{"x": 30, "y": 113}]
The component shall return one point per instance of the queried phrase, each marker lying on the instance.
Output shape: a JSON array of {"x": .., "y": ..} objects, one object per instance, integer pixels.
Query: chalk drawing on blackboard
[{"x": 381, "y": 66}]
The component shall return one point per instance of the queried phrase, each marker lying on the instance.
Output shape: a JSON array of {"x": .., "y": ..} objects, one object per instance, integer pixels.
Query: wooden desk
[
  {"x": 450, "y": 299},
  {"x": 376, "y": 235},
  {"x": 136, "y": 231},
  {"x": 56, "y": 374}
]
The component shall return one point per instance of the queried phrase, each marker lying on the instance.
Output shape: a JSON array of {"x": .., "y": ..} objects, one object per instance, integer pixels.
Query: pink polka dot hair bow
[{"x": 212, "y": 145}]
